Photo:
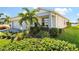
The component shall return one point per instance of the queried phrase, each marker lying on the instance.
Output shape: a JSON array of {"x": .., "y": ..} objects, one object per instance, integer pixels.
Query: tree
[
  {"x": 7, "y": 20},
  {"x": 4, "y": 20},
  {"x": 29, "y": 17},
  {"x": 1, "y": 21},
  {"x": 78, "y": 20}
]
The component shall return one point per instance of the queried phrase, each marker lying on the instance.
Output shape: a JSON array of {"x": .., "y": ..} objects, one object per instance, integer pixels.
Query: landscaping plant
[{"x": 34, "y": 44}]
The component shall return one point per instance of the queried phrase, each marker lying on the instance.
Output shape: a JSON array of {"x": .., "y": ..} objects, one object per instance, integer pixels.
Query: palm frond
[
  {"x": 29, "y": 17},
  {"x": 21, "y": 14},
  {"x": 26, "y": 9},
  {"x": 33, "y": 12},
  {"x": 20, "y": 21},
  {"x": 7, "y": 19},
  {"x": 35, "y": 19}
]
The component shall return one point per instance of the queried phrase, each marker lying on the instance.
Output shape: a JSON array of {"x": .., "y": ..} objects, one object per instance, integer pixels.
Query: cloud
[
  {"x": 77, "y": 14},
  {"x": 70, "y": 9},
  {"x": 35, "y": 7},
  {"x": 63, "y": 11}
]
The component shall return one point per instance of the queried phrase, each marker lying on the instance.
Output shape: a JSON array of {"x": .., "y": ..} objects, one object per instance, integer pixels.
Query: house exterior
[{"x": 50, "y": 19}]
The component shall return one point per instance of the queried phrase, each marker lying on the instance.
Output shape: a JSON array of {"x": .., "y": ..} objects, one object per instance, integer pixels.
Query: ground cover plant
[{"x": 35, "y": 44}]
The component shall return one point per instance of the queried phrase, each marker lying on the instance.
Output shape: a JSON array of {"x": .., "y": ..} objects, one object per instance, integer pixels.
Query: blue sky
[{"x": 71, "y": 13}]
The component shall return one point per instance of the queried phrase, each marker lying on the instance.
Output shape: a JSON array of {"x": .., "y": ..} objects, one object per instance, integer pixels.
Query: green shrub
[
  {"x": 5, "y": 35},
  {"x": 16, "y": 36},
  {"x": 9, "y": 35},
  {"x": 34, "y": 30},
  {"x": 19, "y": 36},
  {"x": 68, "y": 24},
  {"x": 54, "y": 32},
  {"x": 39, "y": 32},
  {"x": 2, "y": 35},
  {"x": 61, "y": 31},
  {"x": 43, "y": 34},
  {"x": 33, "y": 44}
]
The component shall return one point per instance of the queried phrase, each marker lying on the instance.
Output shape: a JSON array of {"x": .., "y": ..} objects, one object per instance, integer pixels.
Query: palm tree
[
  {"x": 7, "y": 20},
  {"x": 29, "y": 17},
  {"x": 1, "y": 18}
]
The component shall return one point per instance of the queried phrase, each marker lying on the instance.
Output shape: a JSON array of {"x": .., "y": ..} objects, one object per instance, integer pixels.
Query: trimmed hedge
[{"x": 34, "y": 44}]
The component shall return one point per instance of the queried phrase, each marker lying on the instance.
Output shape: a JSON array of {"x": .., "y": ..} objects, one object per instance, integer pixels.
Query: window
[{"x": 45, "y": 22}]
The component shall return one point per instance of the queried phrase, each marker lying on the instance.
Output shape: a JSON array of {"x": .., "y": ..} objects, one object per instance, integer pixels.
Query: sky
[{"x": 70, "y": 13}]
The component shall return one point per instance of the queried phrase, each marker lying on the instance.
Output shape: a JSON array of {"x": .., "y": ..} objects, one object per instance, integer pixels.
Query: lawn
[{"x": 71, "y": 35}]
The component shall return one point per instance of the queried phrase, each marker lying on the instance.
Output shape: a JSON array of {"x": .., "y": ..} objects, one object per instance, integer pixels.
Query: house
[
  {"x": 74, "y": 23},
  {"x": 50, "y": 19},
  {"x": 15, "y": 24}
]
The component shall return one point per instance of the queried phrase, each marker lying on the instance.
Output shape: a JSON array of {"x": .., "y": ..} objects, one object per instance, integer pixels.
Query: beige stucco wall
[{"x": 60, "y": 22}]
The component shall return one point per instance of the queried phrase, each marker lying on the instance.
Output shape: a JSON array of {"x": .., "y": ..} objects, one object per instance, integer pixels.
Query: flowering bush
[{"x": 34, "y": 44}]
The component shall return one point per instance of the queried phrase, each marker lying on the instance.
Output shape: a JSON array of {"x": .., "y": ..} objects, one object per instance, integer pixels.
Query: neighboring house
[
  {"x": 15, "y": 24},
  {"x": 74, "y": 23},
  {"x": 50, "y": 19}
]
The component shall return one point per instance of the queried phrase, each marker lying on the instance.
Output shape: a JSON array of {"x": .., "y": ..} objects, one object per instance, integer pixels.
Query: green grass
[
  {"x": 4, "y": 42},
  {"x": 71, "y": 35}
]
